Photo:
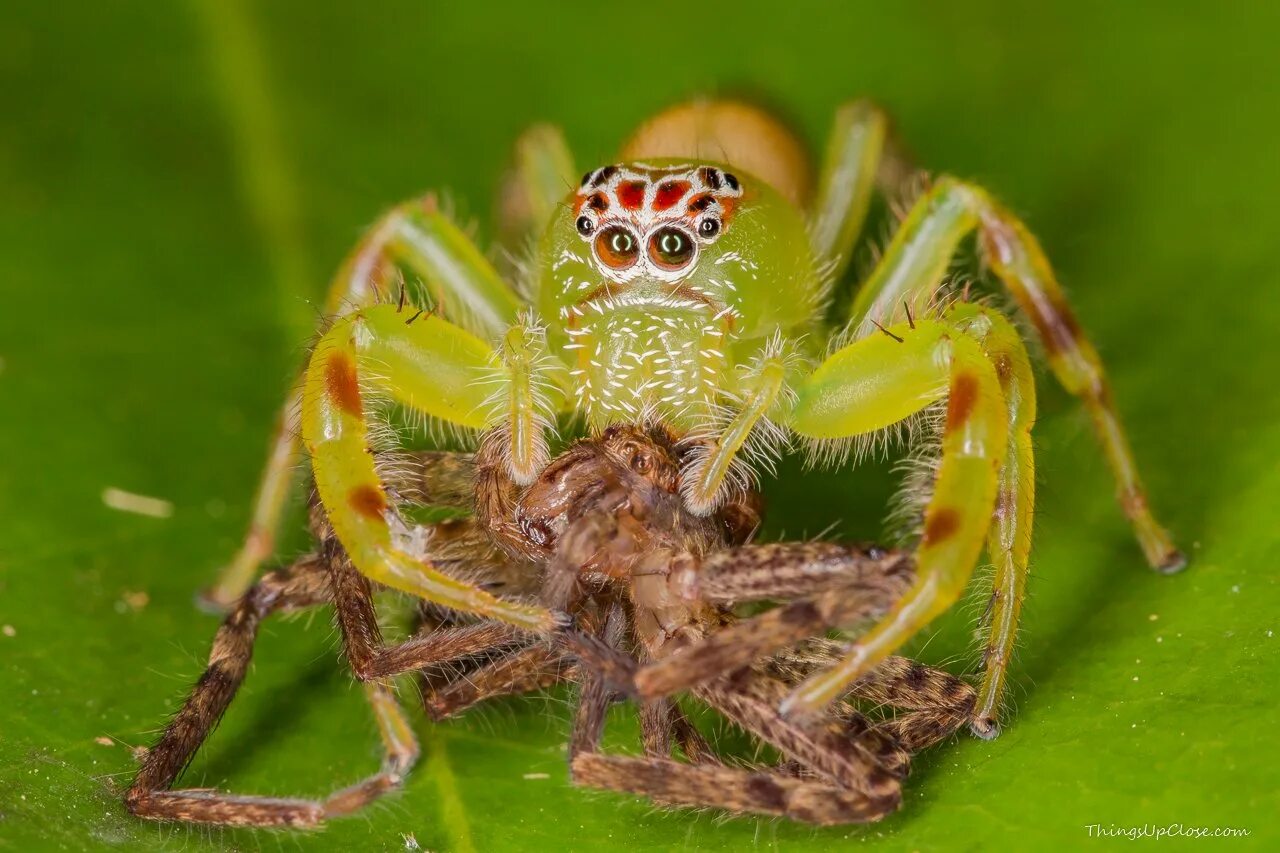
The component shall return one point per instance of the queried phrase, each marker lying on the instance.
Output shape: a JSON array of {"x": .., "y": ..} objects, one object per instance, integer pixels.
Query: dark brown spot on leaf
[{"x": 341, "y": 384}]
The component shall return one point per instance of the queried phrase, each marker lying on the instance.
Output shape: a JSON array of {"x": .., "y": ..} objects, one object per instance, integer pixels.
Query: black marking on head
[
  {"x": 603, "y": 175},
  {"x": 732, "y": 180},
  {"x": 598, "y": 203},
  {"x": 711, "y": 177},
  {"x": 701, "y": 203}
]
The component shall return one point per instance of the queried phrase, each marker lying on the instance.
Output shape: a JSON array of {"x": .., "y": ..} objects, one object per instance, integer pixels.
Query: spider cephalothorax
[
  {"x": 661, "y": 278},
  {"x": 677, "y": 288}
]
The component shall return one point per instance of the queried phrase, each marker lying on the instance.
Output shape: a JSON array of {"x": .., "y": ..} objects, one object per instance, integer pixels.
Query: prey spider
[
  {"x": 697, "y": 292},
  {"x": 605, "y": 532}
]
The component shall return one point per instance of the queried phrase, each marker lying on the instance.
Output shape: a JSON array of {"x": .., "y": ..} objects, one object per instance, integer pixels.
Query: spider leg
[
  {"x": 400, "y": 745},
  {"x": 595, "y": 696},
  {"x": 370, "y": 658},
  {"x": 851, "y": 752},
  {"x": 860, "y": 155},
  {"x": 415, "y": 237},
  {"x": 916, "y": 261},
  {"x": 706, "y": 781},
  {"x": 824, "y": 584},
  {"x": 1009, "y": 539},
  {"x": 821, "y": 796},
  {"x": 877, "y": 382},
  {"x": 524, "y": 671},
  {"x": 761, "y": 389},
  {"x": 848, "y": 772},
  {"x": 436, "y": 368},
  {"x": 936, "y": 703},
  {"x": 302, "y": 585},
  {"x": 541, "y": 175}
]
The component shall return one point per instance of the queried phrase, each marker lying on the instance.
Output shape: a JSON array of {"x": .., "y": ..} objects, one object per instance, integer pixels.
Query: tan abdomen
[{"x": 730, "y": 132}]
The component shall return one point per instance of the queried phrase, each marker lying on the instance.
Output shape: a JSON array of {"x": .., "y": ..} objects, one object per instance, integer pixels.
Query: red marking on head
[
  {"x": 939, "y": 525},
  {"x": 369, "y": 501},
  {"x": 963, "y": 397},
  {"x": 341, "y": 385},
  {"x": 631, "y": 195},
  {"x": 669, "y": 193}
]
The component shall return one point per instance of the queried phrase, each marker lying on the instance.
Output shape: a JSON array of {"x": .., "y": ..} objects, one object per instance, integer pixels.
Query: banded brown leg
[{"x": 302, "y": 585}]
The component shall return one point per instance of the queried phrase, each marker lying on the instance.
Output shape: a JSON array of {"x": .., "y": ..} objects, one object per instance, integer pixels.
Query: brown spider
[{"x": 647, "y": 588}]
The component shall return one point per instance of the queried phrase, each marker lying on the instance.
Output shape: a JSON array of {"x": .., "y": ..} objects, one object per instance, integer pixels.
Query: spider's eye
[
  {"x": 617, "y": 247},
  {"x": 709, "y": 228},
  {"x": 585, "y": 226},
  {"x": 670, "y": 248},
  {"x": 641, "y": 462}
]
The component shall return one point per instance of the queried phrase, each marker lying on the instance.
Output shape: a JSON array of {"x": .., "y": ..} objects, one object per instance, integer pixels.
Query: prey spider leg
[
  {"x": 855, "y": 779},
  {"x": 316, "y": 579},
  {"x": 851, "y": 773},
  {"x": 823, "y": 585},
  {"x": 302, "y": 585},
  {"x": 526, "y": 670}
]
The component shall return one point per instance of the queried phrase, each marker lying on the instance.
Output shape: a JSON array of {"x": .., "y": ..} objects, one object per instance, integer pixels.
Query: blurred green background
[{"x": 177, "y": 180}]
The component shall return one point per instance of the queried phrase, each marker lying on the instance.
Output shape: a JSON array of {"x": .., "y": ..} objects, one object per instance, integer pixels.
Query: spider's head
[
  {"x": 675, "y": 237},
  {"x": 653, "y": 223}
]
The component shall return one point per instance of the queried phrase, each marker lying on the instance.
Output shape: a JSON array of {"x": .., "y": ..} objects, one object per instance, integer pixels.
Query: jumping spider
[
  {"x": 605, "y": 532},
  {"x": 690, "y": 285}
]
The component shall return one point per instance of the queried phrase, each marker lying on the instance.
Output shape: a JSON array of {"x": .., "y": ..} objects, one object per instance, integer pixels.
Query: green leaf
[{"x": 178, "y": 178}]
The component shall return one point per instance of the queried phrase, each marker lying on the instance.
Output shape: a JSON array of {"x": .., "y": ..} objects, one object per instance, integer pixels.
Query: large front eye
[
  {"x": 617, "y": 247},
  {"x": 670, "y": 248}
]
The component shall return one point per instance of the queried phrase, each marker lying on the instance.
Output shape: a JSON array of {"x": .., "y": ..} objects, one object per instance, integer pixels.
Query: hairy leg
[
  {"x": 371, "y": 658},
  {"x": 914, "y": 264},
  {"x": 302, "y": 585},
  {"x": 877, "y": 382},
  {"x": 529, "y": 669},
  {"x": 930, "y": 704},
  {"x": 850, "y": 752},
  {"x": 860, "y": 155},
  {"x": 542, "y": 173},
  {"x": 370, "y": 350},
  {"x": 776, "y": 791},
  {"x": 841, "y": 585},
  {"x": 415, "y": 237},
  {"x": 1009, "y": 539},
  {"x": 829, "y": 755}
]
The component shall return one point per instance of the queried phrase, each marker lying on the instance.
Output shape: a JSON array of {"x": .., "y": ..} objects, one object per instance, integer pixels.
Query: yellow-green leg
[
  {"x": 542, "y": 174},
  {"x": 430, "y": 366},
  {"x": 875, "y": 383},
  {"x": 916, "y": 262},
  {"x": 418, "y": 241},
  {"x": 761, "y": 389},
  {"x": 859, "y": 157},
  {"x": 853, "y": 164},
  {"x": 1009, "y": 537}
]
